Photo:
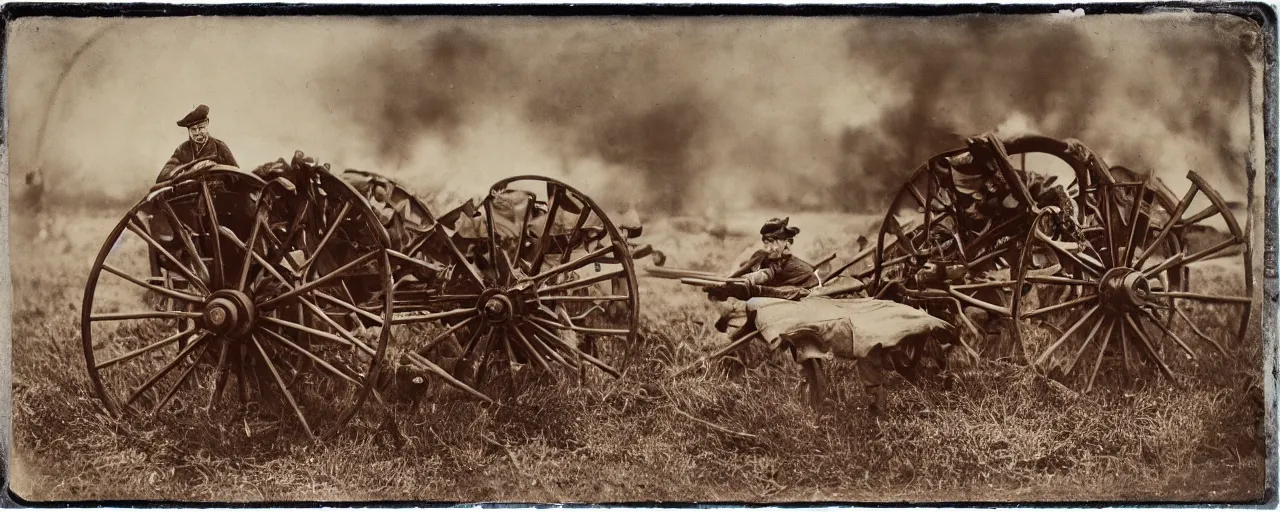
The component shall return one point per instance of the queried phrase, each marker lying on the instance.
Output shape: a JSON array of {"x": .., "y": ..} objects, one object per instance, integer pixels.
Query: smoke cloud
[{"x": 675, "y": 116}]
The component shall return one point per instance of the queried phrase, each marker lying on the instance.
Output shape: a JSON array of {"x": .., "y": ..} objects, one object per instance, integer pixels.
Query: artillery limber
[
  {"x": 1043, "y": 271},
  {"x": 304, "y": 284}
]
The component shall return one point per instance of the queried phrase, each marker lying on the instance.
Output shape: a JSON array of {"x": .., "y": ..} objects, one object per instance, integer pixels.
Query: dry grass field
[{"x": 725, "y": 433}]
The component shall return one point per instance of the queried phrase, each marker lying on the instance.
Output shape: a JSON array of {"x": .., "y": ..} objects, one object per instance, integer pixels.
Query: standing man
[
  {"x": 772, "y": 271},
  {"x": 35, "y": 202},
  {"x": 198, "y": 146}
]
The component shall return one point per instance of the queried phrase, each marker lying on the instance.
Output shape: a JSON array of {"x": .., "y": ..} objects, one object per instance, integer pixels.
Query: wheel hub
[
  {"x": 498, "y": 306},
  {"x": 1125, "y": 287},
  {"x": 229, "y": 313}
]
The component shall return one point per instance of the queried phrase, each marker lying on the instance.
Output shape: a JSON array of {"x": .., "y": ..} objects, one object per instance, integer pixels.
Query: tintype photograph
[{"x": 911, "y": 255}]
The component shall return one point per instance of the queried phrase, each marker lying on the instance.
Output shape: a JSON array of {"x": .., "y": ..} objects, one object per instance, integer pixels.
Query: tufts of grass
[{"x": 726, "y": 431}]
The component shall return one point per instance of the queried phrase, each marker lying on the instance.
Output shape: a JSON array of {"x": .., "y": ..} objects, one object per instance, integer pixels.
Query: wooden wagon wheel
[
  {"x": 255, "y": 315},
  {"x": 953, "y": 256},
  {"x": 519, "y": 280},
  {"x": 1132, "y": 298}
]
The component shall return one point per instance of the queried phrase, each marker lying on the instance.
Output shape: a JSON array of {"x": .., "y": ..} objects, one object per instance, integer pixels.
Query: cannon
[{"x": 307, "y": 291}]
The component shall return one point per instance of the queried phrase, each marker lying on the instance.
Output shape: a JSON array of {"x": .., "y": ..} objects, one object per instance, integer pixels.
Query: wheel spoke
[
  {"x": 315, "y": 358},
  {"x": 1135, "y": 213},
  {"x": 457, "y": 254},
  {"x": 505, "y": 335},
  {"x": 1209, "y": 211},
  {"x": 579, "y": 298},
  {"x": 576, "y": 264},
  {"x": 316, "y": 332},
  {"x": 182, "y": 354},
  {"x": 476, "y": 335},
  {"x": 982, "y": 285},
  {"x": 185, "y": 235},
  {"x": 524, "y": 229},
  {"x": 291, "y": 235},
  {"x": 429, "y": 366},
  {"x": 545, "y": 239},
  {"x": 579, "y": 353},
  {"x": 178, "y": 265},
  {"x": 186, "y": 374},
  {"x": 249, "y": 248},
  {"x": 130, "y": 355},
  {"x": 350, "y": 307},
  {"x": 968, "y": 323},
  {"x": 261, "y": 262},
  {"x": 1065, "y": 281},
  {"x": 160, "y": 290},
  {"x": 1001, "y": 310},
  {"x": 1088, "y": 339},
  {"x": 1062, "y": 339},
  {"x": 1124, "y": 345},
  {"x": 1169, "y": 332},
  {"x": 283, "y": 388},
  {"x": 219, "y": 269},
  {"x": 1106, "y": 341},
  {"x": 329, "y": 231},
  {"x": 242, "y": 376},
  {"x": 1146, "y": 344},
  {"x": 345, "y": 334},
  {"x": 431, "y": 317},
  {"x": 915, "y": 193},
  {"x": 573, "y": 285},
  {"x": 533, "y": 353},
  {"x": 1211, "y": 251},
  {"x": 575, "y": 236},
  {"x": 1169, "y": 225},
  {"x": 1063, "y": 305},
  {"x": 1218, "y": 299},
  {"x": 493, "y": 237},
  {"x": 317, "y": 283},
  {"x": 1197, "y": 330},
  {"x": 532, "y": 340},
  {"x": 405, "y": 258},
  {"x": 1090, "y": 267},
  {"x": 447, "y": 332},
  {"x": 583, "y": 330},
  {"x": 1173, "y": 261},
  {"x": 1108, "y": 220},
  {"x": 140, "y": 315},
  {"x": 896, "y": 229},
  {"x": 220, "y": 381}
]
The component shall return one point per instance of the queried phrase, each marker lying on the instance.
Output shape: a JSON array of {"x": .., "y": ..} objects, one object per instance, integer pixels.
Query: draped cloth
[{"x": 845, "y": 328}]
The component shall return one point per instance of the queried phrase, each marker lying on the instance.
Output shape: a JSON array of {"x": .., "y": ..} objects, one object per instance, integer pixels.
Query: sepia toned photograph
[{"x": 913, "y": 256}]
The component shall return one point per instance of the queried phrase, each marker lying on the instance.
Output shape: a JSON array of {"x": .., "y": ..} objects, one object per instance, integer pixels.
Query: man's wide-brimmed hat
[
  {"x": 197, "y": 116},
  {"x": 778, "y": 229}
]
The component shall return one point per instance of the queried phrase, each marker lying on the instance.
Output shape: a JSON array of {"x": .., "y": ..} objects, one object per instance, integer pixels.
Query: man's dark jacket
[{"x": 187, "y": 152}]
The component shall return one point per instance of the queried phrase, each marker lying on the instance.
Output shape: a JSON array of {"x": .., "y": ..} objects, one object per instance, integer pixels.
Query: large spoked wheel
[
  {"x": 170, "y": 341},
  {"x": 953, "y": 253},
  {"x": 1123, "y": 289},
  {"x": 543, "y": 282}
]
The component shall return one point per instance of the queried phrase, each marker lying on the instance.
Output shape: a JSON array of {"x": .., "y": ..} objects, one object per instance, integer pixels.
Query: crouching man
[
  {"x": 772, "y": 271},
  {"x": 873, "y": 333}
]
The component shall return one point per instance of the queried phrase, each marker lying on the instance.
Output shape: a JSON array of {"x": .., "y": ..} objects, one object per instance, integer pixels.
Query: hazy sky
[{"x": 672, "y": 114}]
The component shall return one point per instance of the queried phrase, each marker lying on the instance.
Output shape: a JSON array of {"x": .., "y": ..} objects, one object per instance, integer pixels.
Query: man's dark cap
[
  {"x": 201, "y": 113},
  {"x": 778, "y": 229}
]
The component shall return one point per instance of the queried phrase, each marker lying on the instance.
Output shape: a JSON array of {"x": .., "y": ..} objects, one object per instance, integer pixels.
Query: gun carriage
[
  {"x": 1058, "y": 274},
  {"x": 308, "y": 291}
]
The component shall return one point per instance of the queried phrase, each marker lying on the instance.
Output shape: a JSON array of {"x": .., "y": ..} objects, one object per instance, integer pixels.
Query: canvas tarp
[{"x": 847, "y": 328}]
